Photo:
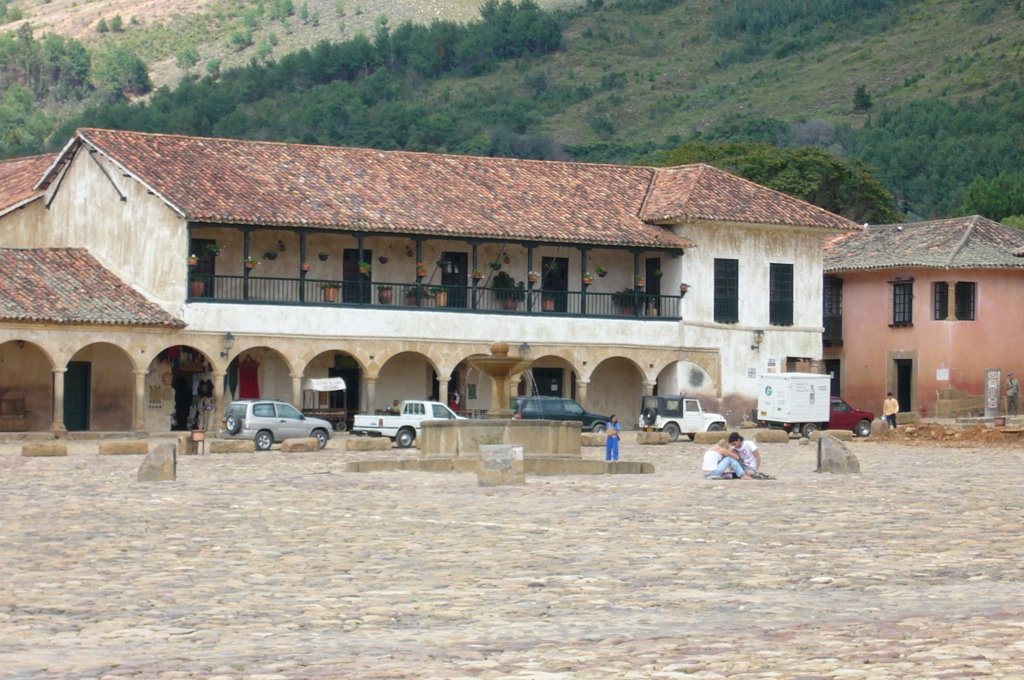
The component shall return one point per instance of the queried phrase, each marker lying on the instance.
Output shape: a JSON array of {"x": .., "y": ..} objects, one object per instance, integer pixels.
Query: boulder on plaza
[
  {"x": 367, "y": 444},
  {"x": 232, "y": 445},
  {"x": 645, "y": 437},
  {"x": 124, "y": 447},
  {"x": 709, "y": 437},
  {"x": 301, "y": 445},
  {"x": 158, "y": 466},
  {"x": 44, "y": 449},
  {"x": 881, "y": 428},
  {"x": 770, "y": 435},
  {"x": 834, "y": 456}
]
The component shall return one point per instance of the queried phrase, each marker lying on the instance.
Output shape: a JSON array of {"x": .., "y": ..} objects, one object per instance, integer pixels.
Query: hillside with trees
[{"x": 872, "y": 108}]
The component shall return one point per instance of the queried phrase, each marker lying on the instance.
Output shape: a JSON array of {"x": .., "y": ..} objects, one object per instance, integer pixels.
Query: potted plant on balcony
[
  {"x": 601, "y": 271},
  {"x": 684, "y": 288},
  {"x": 587, "y": 278},
  {"x": 270, "y": 255},
  {"x": 306, "y": 266},
  {"x": 330, "y": 289},
  {"x": 416, "y": 293},
  {"x": 323, "y": 255},
  {"x": 507, "y": 291},
  {"x": 214, "y": 249},
  {"x": 547, "y": 302},
  {"x": 477, "y": 274},
  {"x": 365, "y": 268},
  {"x": 625, "y": 300},
  {"x": 496, "y": 265},
  {"x": 193, "y": 260},
  {"x": 533, "y": 277},
  {"x": 440, "y": 295},
  {"x": 421, "y": 269},
  {"x": 385, "y": 295},
  {"x": 641, "y": 282},
  {"x": 250, "y": 262}
]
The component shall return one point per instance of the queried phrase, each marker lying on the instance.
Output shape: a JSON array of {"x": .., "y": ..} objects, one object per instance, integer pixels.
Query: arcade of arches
[{"x": 141, "y": 380}]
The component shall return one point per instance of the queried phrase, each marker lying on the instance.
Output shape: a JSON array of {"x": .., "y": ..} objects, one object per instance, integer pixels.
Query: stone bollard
[
  {"x": 770, "y": 435},
  {"x": 124, "y": 447},
  {"x": 158, "y": 466},
  {"x": 302, "y": 445},
  {"x": 232, "y": 445},
  {"x": 835, "y": 456},
  {"x": 881, "y": 428},
  {"x": 44, "y": 449},
  {"x": 500, "y": 465},
  {"x": 709, "y": 437},
  {"x": 367, "y": 444},
  {"x": 592, "y": 438},
  {"x": 644, "y": 437}
]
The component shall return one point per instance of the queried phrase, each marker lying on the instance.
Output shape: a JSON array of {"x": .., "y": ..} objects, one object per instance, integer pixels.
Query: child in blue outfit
[{"x": 611, "y": 445}]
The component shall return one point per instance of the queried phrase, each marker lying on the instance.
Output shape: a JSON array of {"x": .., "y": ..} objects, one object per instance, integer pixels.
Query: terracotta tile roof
[
  {"x": 266, "y": 183},
  {"x": 68, "y": 286},
  {"x": 972, "y": 242},
  {"x": 18, "y": 178},
  {"x": 703, "y": 192}
]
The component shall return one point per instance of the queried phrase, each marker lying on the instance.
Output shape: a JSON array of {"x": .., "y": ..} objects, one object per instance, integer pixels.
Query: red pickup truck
[{"x": 842, "y": 416}]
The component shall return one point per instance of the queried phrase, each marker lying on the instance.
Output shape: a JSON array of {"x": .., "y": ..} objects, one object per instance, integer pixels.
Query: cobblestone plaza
[{"x": 285, "y": 566}]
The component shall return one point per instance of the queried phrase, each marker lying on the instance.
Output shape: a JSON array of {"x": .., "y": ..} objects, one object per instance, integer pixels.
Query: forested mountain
[{"x": 924, "y": 95}]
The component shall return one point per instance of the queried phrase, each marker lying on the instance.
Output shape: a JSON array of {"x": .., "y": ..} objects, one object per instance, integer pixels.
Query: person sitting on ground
[
  {"x": 719, "y": 461},
  {"x": 748, "y": 453}
]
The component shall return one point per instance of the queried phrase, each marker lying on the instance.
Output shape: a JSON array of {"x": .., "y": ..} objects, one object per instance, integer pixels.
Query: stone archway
[
  {"x": 689, "y": 379},
  {"x": 406, "y": 375},
  {"x": 335, "y": 364},
  {"x": 99, "y": 389},
  {"x": 260, "y": 372},
  {"x": 26, "y": 387},
  {"x": 617, "y": 387},
  {"x": 179, "y": 391}
]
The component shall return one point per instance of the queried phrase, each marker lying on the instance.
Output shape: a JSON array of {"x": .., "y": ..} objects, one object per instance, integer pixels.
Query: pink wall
[{"x": 966, "y": 348}]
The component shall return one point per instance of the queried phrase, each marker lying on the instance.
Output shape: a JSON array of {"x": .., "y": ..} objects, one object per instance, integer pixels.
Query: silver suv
[{"x": 266, "y": 421}]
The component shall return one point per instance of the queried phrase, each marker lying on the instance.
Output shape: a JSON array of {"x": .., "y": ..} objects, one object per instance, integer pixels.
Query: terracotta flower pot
[
  {"x": 306, "y": 266},
  {"x": 330, "y": 294},
  {"x": 385, "y": 295},
  {"x": 196, "y": 288}
]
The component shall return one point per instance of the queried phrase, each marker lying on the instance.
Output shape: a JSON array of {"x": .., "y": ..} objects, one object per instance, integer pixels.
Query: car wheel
[
  {"x": 340, "y": 426},
  {"x": 264, "y": 440},
  {"x": 672, "y": 430},
  {"x": 321, "y": 437},
  {"x": 233, "y": 424},
  {"x": 808, "y": 429},
  {"x": 863, "y": 429},
  {"x": 716, "y": 427},
  {"x": 598, "y": 428},
  {"x": 405, "y": 438}
]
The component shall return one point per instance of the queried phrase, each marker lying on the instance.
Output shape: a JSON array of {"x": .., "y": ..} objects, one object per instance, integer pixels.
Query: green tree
[
  {"x": 996, "y": 198},
  {"x": 808, "y": 173},
  {"x": 187, "y": 58},
  {"x": 861, "y": 99},
  {"x": 118, "y": 71}
]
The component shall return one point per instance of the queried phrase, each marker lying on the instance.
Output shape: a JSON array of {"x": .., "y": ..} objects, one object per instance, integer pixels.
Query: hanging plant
[
  {"x": 601, "y": 271},
  {"x": 250, "y": 262},
  {"x": 193, "y": 260},
  {"x": 533, "y": 277},
  {"x": 477, "y": 274},
  {"x": 324, "y": 255},
  {"x": 365, "y": 268},
  {"x": 306, "y": 266},
  {"x": 270, "y": 255},
  {"x": 496, "y": 265},
  {"x": 421, "y": 269},
  {"x": 214, "y": 249},
  {"x": 587, "y": 279}
]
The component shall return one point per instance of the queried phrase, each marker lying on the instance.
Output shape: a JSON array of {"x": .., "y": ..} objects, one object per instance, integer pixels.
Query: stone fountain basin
[{"x": 463, "y": 438}]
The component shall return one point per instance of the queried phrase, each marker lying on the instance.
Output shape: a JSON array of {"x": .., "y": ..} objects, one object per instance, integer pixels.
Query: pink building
[{"x": 922, "y": 310}]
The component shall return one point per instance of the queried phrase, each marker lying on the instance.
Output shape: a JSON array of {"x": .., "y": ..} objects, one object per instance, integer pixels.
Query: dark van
[{"x": 557, "y": 408}]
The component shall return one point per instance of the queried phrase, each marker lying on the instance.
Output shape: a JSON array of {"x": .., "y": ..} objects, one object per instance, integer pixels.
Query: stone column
[
  {"x": 58, "y": 399},
  {"x": 371, "y": 394},
  {"x": 297, "y": 391},
  {"x": 950, "y": 300},
  {"x": 649, "y": 388},
  {"x": 139, "y": 419},
  {"x": 581, "y": 392},
  {"x": 219, "y": 403},
  {"x": 442, "y": 391}
]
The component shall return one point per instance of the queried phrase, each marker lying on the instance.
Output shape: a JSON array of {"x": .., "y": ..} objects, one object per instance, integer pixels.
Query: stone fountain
[{"x": 547, "y": 447}]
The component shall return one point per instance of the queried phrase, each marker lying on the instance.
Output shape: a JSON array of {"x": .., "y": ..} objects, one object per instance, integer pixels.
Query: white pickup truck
[
  {"x": 677, "y": 415},
  {"x": 404, "y": 427}
]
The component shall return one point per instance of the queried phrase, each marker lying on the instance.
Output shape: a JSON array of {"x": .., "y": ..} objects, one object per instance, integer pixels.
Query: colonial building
[
  {"x": 276, "y": 263},
  {"x": 922, "y": 310}
]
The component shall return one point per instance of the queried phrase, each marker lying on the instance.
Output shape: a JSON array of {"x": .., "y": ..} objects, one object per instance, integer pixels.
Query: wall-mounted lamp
[
  {"x": 758, "y": 339},
  {"x": 684, "y": 288},
  {"x": 408, "y": 251},
  {"x": 21, "y": 344},
  {"x": 524, "y": 349},
  {"x": 229, "y": 342},
  {"x": 280, "y": 246},
  {"x": 383, "y": 259}
]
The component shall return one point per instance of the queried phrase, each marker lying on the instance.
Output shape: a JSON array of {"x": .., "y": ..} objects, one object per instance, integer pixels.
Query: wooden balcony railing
[{"x": 413, "y": 296}]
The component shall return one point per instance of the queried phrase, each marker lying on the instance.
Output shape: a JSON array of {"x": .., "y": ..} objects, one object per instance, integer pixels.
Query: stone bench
[
  {"x": 44, "y": 449},
  {"x": 231, "y": 445},
  {"x": 124, "y": 447},
  {"x": 841, "y": 435},
  {"x": 709, "y": 437},
  {"x": 592, "y": 439},
  {"x": 646, "y": 438},
  {"x": 300, "y": 445},
  {"x": 367, "y": 444}
]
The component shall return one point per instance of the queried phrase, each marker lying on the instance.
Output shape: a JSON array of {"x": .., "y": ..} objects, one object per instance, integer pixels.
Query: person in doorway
[
  {"x": 748, "y": 453},
  {"x": 611, "y": 445},
  {"x": 1012, "y": 394},
  {"x": 890, "y": 407},
  {"x": 453, "y": 402}
]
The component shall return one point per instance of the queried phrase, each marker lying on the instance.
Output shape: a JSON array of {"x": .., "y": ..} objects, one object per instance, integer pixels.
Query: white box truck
[{"x": 794, "y": 401}]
